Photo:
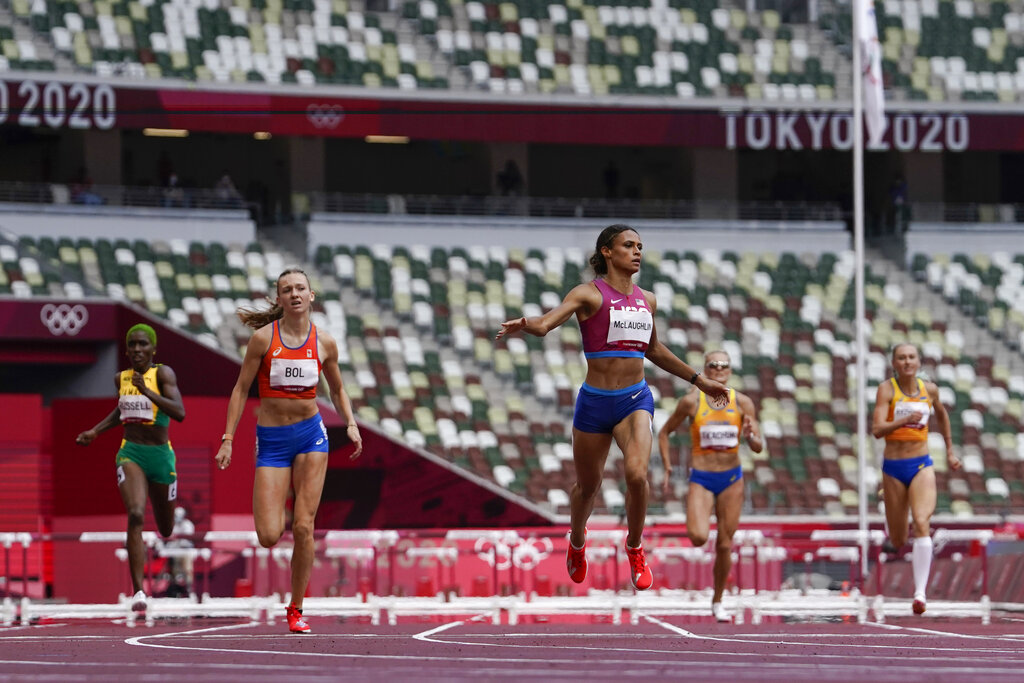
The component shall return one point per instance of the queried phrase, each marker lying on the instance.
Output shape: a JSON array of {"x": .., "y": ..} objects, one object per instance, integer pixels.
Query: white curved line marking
[
  {"x": 844, "y": 646},
  {"x": 426, "y": 636}
]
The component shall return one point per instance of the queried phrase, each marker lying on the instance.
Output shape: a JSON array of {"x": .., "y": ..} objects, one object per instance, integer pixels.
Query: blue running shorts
[
  {"x": 716, "y": 482},
  {"x": 906, "y": 469},
  {"x": 599, "y": 410},
  {"x": 278, "y": 446}
]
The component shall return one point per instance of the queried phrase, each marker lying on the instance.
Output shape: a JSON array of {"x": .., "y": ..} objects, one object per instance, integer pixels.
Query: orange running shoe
[
  {"x": 639, "y": 573},
  {"x": 296, "y": 624},
  {"x": 576, "y": 560},
  {"x": 919, "y": 606}
]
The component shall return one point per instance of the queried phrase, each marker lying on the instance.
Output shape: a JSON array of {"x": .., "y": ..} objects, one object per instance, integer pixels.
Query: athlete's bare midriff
[
  {"x": 901, "y": 450},
  {"x": 614, "y": 373},
  {"x": 280, "y": 412},
  {"x": 715, "y": 462},
  {"x": 146, "y": 435}
]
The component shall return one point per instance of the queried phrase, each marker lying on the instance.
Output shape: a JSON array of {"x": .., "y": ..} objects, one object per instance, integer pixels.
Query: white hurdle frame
[{"x": 604, "y": 545}]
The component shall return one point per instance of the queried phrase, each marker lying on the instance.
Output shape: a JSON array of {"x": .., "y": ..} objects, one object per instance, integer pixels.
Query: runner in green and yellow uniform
[{"x": 148, "y": 398}]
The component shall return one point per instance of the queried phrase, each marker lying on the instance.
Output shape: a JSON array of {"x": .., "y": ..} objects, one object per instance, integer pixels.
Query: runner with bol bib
[{"x": 287, "y": 353}]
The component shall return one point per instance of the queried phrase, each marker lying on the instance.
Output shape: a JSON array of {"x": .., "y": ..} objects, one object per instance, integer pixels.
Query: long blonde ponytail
[{"x": 255, "y": 318}]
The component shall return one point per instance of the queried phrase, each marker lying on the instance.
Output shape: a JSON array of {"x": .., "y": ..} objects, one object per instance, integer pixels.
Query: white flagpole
[{"x": 858, "y": 250}]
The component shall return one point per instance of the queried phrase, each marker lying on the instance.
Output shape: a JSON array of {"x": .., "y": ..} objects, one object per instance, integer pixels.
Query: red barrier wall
[
  {"x": 21, "y": 423},
  {"x": 86, "y": 496}
]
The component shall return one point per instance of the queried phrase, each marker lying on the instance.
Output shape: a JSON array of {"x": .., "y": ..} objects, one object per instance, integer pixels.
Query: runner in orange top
[
  {"x": 287, "y": 354},
  {"x": 903, "y": 407},
  {"x": 716, "y": 478}
]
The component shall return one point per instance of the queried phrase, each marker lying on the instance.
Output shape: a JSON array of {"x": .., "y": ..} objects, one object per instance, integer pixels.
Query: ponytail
[{"x": 255, "y": 318}]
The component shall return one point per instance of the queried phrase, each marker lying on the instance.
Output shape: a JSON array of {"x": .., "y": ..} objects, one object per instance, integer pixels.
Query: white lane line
[
  {"x": 680, "y": 630},
  {"x": 162, "y": 665},
  {"x": 932, "y": 632},
  {"x": 137, "y": 640},
  {"x": 425, "y": 636},
  {"x": 57, "y": 636},
  {"x": 844, "y": 646},
  {"x": 632, "y": 669}
]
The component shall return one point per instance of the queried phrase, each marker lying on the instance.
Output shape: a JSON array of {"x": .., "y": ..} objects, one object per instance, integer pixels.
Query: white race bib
[
  {"x": 135, "y": 408},
  {"x": 293, "y": 374},
  {"x": 630, "y": 325},
  {"x": 719, "y": 437},
  {"x": 903, "y": 408}
]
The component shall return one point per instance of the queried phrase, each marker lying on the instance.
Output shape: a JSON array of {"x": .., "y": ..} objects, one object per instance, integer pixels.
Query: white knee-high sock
[{"x": 921, "y": 560}]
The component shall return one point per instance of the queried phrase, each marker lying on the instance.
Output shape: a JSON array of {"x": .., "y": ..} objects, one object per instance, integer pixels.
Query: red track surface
[{"x": 222, "y": 650}]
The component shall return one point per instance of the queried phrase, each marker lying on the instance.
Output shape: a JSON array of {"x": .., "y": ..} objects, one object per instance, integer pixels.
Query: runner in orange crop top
[
  {"x": 287, "y": 372},
  {"x": 287, "y": 352},
  {"x": 716, "y": 477},
  {"x": 903, "y": 407}
]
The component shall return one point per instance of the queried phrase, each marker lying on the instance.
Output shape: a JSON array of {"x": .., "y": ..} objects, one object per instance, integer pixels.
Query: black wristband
[{"x": 693, "y": 380}]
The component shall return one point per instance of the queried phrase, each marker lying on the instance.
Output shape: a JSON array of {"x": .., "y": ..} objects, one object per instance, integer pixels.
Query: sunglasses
[{"x": 720, "y": 364}]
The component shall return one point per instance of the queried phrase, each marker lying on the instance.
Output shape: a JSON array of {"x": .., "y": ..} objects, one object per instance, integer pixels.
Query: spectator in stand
[
  {"x": 81, "y": 189},
  {"x": 227, "y": 194}
]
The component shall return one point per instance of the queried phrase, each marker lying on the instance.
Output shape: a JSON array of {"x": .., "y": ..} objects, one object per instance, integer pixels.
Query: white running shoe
[
  {"x": 139, "y": 602},
  {"x": 919, "y": 604},
  {"x": 721, "y": 615}
]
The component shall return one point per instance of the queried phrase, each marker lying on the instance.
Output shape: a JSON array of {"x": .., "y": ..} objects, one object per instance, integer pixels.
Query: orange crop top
[
  {"x": 902, "y": 404},
  {"x": 287, "y": 372},
  {"x": 716, "y": 430}
]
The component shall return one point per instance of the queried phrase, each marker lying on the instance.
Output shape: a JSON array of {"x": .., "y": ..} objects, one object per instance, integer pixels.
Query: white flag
[{"x": 871, "y": 66}]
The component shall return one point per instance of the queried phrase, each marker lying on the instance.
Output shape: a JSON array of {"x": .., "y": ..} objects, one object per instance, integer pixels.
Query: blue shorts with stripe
[
  {"x": 278, "y": 446},
  {"x": 716, "y": 482},
  {"x": 906, "y": 469},
  {"x": 599, "y": 410}
]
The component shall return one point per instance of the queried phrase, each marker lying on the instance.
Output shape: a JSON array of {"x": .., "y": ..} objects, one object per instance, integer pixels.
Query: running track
[{"x": 220, "y": 651}]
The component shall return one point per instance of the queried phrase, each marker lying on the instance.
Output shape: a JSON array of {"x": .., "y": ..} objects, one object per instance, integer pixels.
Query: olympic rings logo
[
  {"x": 526, "y": 554},
  {"x": 325, "y": 115},
  {"x": 64, "y": 318}
]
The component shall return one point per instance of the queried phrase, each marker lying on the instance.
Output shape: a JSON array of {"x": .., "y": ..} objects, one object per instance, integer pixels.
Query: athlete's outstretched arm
[
  {"x": 254, "y": 351},
  {"x": 110, "y": 421},
  {"x": 660, "y": 355},
  {"x": 582, "y": 298},
  {"x": 169, "y": 398},
  {"x": 751, "y": 430},
  {"x": 880, "y": 425},
  {"x": 683, "y": 410},
  {"x": 942, "y": 417},
  {"x": 332, "y": 373}
]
